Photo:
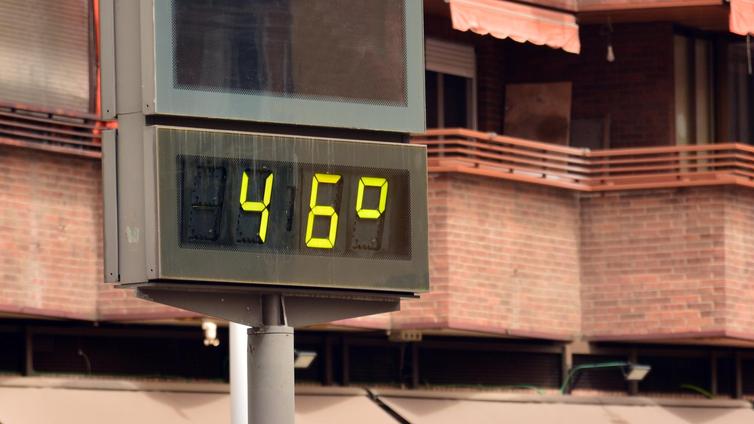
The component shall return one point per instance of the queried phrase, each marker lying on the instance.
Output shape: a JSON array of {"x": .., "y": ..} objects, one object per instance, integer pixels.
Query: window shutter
[
  {"x": 44, "y": 53},
  {"x": 450, "y": 58}
]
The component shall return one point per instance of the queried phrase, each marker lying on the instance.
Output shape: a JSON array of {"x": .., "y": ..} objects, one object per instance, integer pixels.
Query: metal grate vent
[
  {"x": 489, "y": 368},
  {"x": 669, "y": 374},
  {"x": 184, "y": 357},
  {"x": 608, "y": 379},
  {"x": 56, "y": 132}
]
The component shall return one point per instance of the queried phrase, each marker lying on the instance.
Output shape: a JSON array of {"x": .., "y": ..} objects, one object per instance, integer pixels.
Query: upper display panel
[{"x": 333, "y": 63}]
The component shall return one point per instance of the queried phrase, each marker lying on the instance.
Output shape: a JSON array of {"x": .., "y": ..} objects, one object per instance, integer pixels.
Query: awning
[
  {"x": 742, "y": 17},
  {"x": 31, "y": 400},
  {"x": 481, "y": 408},
  {"x": 93, "y": 401},
  {"x": 519, "y": 22}
]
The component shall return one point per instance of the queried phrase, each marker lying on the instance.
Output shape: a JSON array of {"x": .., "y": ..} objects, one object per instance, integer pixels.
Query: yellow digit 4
[
  {"x": 321, "y": 210},
  {"x": 371, "y": 182},
  {"x": 252, "y": 206}
]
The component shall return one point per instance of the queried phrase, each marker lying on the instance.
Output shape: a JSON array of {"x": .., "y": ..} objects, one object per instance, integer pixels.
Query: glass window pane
[
  {"x": 431, "y": 93},
  {"x": 455, "y": 101},
  {"x": 352, "y": 50},
  {"x": 740, "y": 95}
]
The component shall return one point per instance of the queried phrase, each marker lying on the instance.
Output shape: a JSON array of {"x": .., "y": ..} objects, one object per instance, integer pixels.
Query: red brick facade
[
  {"x": 669, "y": 262},
  {"x": 634, "y": 93},
  {"x": 506, "y": 258},
  {"x": 50, "y": 234},
  {"x": 739, "y": 261},
  {"x": 503, "y": 260},
  {"x": 51, "y": 241},
  {"x": 653, "y": 262}
]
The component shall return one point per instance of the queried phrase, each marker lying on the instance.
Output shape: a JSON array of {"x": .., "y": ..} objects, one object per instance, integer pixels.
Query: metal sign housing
[
  {"x": 282, "y": 210},
  {"x": 162, "y": 236}
]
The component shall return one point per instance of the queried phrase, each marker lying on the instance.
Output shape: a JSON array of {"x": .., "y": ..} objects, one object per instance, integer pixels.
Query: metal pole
[
  {"x": 239, "y": 345},
  {"x": 270, "y": 367}
]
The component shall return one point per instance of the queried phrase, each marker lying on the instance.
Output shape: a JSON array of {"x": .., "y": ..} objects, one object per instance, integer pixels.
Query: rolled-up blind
[
  {"x": 450, "y": 58},
  {"x": 44, "y": 53}
]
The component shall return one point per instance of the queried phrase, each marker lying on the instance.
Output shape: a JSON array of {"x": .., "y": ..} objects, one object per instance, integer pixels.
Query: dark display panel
[
  {"x": 345, "y": 50},
  {"x": 293, "y": 208},
  {"x": 281, "y": 210}
]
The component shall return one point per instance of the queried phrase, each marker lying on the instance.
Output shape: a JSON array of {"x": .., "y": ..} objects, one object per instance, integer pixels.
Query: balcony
[
  {"x": 528, "y": 239},
  {"x": 53, "y": 131},
  {"x": 642, "y": 244},
  {"x": 471, "y": 152}
]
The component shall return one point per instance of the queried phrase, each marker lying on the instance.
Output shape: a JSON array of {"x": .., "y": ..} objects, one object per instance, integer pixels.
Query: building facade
[{"x": 591, "y": 177}]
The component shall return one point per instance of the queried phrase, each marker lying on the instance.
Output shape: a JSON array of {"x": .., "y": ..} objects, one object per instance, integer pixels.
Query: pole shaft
[
  {"x": 271, "y": 310},
  {"x": 270, "y": 367},
  {"x": 238, "y": 374}
]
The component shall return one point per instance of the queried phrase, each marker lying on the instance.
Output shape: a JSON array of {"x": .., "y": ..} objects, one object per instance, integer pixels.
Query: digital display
[
  {"x": 346, "y": 50},
  {"x": 294, "y": 208},
  {"x": 282, "y": 210},
  {"x": 356, "y": 64}
]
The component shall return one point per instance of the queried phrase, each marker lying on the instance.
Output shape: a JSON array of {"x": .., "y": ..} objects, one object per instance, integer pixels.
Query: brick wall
[
  {"x": 433, "y": 310},
  {"x": 51, "y": 241},
  {"x": 506, "y": 258},
  {"x": 739, "y": 261},
  {"x": 50, "y": 234},
  {"x": 653, "y": 262},
  {"x": 503, "y": 260},
  {"x": 636, "y": 91},
  {"x": 516, "y": 259}
]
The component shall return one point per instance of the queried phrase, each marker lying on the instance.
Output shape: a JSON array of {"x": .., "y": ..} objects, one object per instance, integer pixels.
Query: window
[
  {"x": 737, "y": 95},
  {"x": 450, "y": 85},
  {"x": 714, "y": 90},
  {"x": 693, "y": 68}
]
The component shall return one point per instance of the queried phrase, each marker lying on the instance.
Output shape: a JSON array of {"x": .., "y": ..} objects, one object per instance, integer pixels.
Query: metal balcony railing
[
  {"x": 471, "y": 152},
  {"x": 55, "y": 131}
]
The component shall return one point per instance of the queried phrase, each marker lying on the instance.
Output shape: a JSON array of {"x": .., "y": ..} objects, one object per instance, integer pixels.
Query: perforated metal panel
[
  {"x": 606, "y": 379},
  {"x": 492, "y": 368},
  {"x": 669, "y": 374},
  {"x": 44, "y": 53}
]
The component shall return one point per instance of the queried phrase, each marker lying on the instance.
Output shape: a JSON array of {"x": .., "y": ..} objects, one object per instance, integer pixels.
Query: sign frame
[
  {"x": 130, "y": 216},
  {"x": 167, "y": 261},
  {"x": 160, "y": 97}
]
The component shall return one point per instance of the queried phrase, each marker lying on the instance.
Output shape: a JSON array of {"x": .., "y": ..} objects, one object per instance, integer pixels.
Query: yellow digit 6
[
  {"x": 371, "y": 182},
  {"x": 263, "y": 206},
  {"x": 321, "y": 210}
]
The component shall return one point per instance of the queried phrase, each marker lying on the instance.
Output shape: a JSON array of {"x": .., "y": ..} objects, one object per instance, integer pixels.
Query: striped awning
[
  {"x": 742, "y": 17},
  {"x": 100, "y": 400},
  {"x": 438, "y": 407},
  {"x": 83, "y": 400},
  {"x": 519, "y": 22}
]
